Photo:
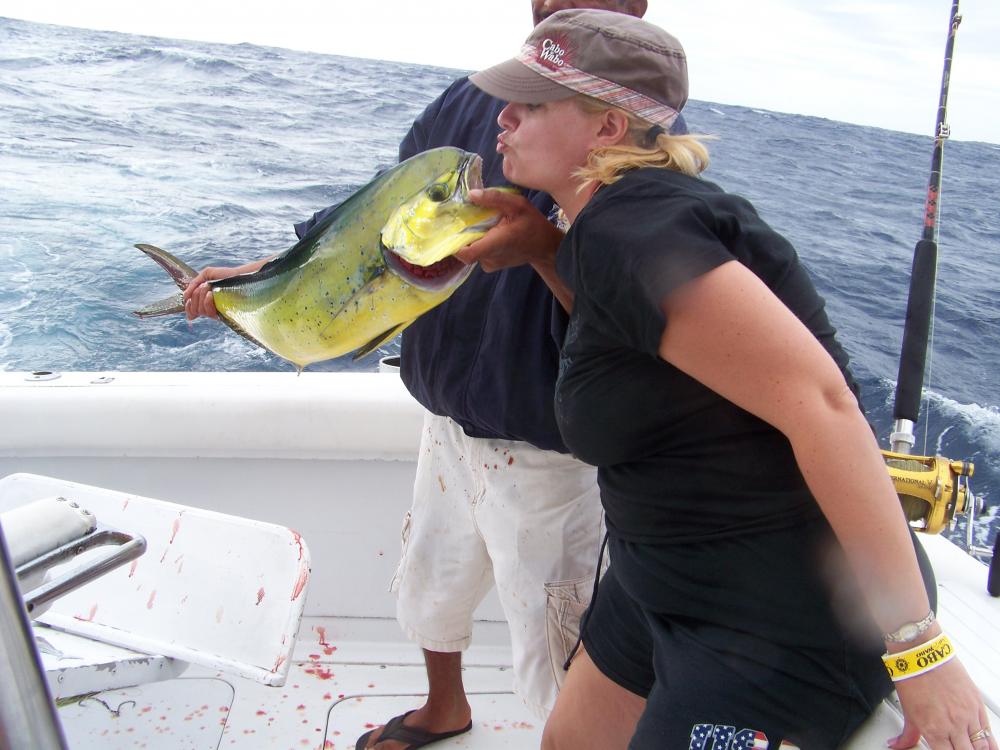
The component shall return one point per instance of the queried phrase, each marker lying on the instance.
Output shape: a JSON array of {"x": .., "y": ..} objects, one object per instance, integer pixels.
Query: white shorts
[{"x": 503, "y": 512}]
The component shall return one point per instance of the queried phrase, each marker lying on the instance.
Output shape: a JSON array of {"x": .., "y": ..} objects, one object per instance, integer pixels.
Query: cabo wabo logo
[{"x": 552, "y": 53}]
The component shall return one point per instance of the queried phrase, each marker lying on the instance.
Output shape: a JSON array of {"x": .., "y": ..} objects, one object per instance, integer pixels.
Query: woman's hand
[
  {"x": 943, "y": 706},
  {"x": 523, "y": 236}
]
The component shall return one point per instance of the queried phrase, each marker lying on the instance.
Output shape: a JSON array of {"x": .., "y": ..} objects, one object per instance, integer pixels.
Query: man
[{"x": 497, "y": 498}]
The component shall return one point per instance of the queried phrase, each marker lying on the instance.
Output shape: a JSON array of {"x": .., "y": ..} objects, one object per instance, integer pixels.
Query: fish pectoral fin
[
  {"x": 379, "y": 340},
  {"x": 167, "y": 306},
  {"x": 179, "y": 271}
]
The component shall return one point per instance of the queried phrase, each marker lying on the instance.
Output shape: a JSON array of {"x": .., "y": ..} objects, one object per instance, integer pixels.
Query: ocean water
[{"x": 214, "y": 151}]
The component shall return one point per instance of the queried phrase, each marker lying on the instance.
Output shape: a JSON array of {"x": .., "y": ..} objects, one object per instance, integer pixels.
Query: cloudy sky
[{"x": 871, "y": 62}]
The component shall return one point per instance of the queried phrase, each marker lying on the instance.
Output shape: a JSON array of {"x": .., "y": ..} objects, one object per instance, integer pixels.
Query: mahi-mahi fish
[{"x": 363, "y": 273}]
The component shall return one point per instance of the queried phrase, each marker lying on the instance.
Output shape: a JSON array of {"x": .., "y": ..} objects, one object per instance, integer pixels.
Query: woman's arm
[{"x": 728, "y": 330}]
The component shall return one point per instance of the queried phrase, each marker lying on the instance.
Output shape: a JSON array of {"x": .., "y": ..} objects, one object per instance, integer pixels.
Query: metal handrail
[{"x": 28, "y": 719}]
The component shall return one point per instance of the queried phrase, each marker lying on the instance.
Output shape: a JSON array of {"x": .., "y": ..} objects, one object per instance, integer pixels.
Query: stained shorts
[
  {"x": 710, "y": 686},
  {"x": 504, "y": 513}
]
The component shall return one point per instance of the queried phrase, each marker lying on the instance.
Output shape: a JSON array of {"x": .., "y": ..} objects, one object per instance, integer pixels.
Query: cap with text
[{"x": 617, "y": 58}]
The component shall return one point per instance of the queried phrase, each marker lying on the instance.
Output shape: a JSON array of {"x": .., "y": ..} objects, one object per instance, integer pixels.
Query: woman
[{"x": 750, "y": 515}]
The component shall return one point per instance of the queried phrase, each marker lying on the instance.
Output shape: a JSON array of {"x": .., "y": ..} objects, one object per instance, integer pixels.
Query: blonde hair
[{"x": 681, "y": 153}]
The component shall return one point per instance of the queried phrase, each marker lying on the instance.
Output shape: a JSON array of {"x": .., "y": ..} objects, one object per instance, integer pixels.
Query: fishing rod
[
  {"x": 932, "y": 489},
  {"x": 923, "y": 277}
]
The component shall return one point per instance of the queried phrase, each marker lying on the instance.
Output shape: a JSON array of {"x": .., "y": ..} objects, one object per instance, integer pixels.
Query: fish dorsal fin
[{"x": 379, "y": 340}]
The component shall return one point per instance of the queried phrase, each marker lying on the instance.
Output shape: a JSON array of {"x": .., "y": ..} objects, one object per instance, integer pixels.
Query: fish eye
[{"x": 438, "y": 192}]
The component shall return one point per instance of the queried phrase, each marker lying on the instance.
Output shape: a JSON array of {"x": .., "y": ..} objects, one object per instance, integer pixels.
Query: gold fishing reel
[{"x": 932, "y": 489}]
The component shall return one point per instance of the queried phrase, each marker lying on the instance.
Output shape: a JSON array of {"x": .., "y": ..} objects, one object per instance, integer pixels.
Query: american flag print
[
  {"x": 700, "y": 733},
  {"x": 723, "y": 737},
  {"x": 750, "y": 739}
]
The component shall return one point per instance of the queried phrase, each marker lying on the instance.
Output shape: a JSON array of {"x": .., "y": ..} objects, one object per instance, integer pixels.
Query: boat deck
[
  {"x": 347, "y": 676},
  {"x": 350, "y": 674}
]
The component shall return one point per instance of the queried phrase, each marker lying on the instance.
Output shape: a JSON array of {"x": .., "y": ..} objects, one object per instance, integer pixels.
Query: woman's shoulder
[
  {"x": 668, "y": 194},
  {"x": 648, "y": 192},
  {"x": 640, "y": 188}
]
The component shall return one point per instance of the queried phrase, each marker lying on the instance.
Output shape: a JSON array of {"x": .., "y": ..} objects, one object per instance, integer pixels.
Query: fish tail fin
[
  {"x": 179, "y": 271},
  {"x": 172, "y": 304}
]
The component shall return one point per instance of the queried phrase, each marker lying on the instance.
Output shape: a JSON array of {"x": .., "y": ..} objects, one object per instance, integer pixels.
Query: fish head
[{"x": 423, "y": 234}]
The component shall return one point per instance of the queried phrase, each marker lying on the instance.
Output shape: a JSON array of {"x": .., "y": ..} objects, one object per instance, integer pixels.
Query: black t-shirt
[{"x": 677, "y": 462}]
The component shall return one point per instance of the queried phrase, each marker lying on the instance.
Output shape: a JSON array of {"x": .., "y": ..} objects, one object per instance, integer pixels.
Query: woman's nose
[{"x": 507, "y": 119}]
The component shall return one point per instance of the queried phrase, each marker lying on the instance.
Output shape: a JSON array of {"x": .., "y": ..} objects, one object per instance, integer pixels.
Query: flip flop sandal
[{"x": 415, "y": 737}]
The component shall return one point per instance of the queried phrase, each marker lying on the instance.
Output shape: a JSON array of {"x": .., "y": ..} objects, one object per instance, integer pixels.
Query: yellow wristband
[{"x": 919, "y": 659}]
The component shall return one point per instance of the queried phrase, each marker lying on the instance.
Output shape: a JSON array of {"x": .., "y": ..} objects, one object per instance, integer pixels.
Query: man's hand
[{"x": 198, "y": 299}]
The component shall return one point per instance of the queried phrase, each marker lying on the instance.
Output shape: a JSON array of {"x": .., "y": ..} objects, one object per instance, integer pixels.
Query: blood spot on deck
[
  {"x": 327, "y": 648},
  {"x": 152, "y": 598},
  {"x": 322, "y": 673},
  {"x": 260, "y": 595}
]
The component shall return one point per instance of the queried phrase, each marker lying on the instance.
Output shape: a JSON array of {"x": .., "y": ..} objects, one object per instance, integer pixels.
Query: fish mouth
[
  {"x": 436, "y": 277},
  {"x": 448, "y": 271},
  {"x": 471, "y": 174}
]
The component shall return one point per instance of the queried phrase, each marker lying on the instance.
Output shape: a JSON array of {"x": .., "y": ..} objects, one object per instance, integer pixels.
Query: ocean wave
[{"x": 981, "y": 424}]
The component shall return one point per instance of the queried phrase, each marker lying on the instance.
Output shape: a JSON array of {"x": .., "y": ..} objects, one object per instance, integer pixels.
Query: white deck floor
[
  {"x": 350, "y": 674},
  {"x": 346, "y": 677}
]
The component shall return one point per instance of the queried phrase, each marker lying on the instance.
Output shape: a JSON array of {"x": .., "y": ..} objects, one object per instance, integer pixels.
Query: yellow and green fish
[{"x": 363, "y": 273}]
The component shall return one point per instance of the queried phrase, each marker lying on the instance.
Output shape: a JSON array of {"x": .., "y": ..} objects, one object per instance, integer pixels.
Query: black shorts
[{"x": 706, "y": 683}]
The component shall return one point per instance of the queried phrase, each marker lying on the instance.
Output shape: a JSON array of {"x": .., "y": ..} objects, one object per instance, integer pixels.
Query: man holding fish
[{"x": 497, "y": 499}]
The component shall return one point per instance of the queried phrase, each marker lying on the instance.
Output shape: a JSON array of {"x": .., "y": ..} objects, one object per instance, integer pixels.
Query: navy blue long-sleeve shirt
[{"x": 488, "y": 357}]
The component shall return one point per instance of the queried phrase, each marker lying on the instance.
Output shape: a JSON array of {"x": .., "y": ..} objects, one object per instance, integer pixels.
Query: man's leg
[
  {"x": 443, "y": 574},
  {"x": 541, "y": 517},
  {"x": 446, "y": 710}
]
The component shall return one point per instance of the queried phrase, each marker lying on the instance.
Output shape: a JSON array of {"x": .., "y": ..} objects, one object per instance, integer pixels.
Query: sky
[{"x": 869, "y": 62}]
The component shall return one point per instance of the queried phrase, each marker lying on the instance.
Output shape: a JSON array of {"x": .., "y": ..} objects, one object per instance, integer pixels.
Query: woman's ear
[{"x": 614, "y": 127}]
